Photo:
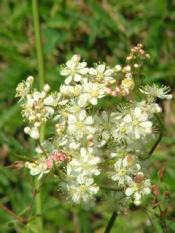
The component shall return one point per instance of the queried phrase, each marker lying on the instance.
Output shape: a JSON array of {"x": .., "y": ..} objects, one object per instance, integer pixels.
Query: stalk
[
  {"x": 40, "y": 59},
  {"x": 111, "y": 222}
]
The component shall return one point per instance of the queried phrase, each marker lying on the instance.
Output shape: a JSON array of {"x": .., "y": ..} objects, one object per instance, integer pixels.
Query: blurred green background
[{"x": 105, "y": 31}]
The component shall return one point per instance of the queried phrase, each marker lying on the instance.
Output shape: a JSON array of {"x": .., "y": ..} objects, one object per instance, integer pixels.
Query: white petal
[
  {"x": 89, "y": 120},
  {"x": 65, "y": 72},
  {"x": 137, "y": 134},
  {"x": 83, "y": 151},
  {"x": 108, "y": 72},
  {"x": 68, "y": 80},
  {"x": 82, "y": 115},
  {"x": 146, "y": 124},
  {"x": 70, "y": 64},
  {"x": 147, "y": 190},
  {"x": 127, "y": 118},
  {"x": 94, "y": 189},
  {"x": 48, "y": 100},
  {"x": 92, "y": 71},
  {"x": 101, "y": 68},
  {"x": 137, "y": 111},
  {"x": 81, "y": 65},
  {"x": 129, "y": 191},
  {"x": 77, "y": 77},
  {"x": 72, "y": 119},
  {"x": 84, "y": 71},
  {"x": 137, "y": 196},
  {"x": 93, "y": 101},
  {"x": 143, "y": 117}
]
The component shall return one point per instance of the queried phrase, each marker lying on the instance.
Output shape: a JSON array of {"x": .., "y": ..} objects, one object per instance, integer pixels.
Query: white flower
[
  {"x": 23, "y": 88},
  {"x": 157, "y": 92},
  {"x": 86, "y": 164},
  {"x": 138, "y": 187},
  {"x": 39, "y": 167},
  {"x": 92, "y": 92},
  {"x": 81, "y": 124},
  {"x": 101, "y": 74},
  {"x": 83, "y": 193},
  {"x": 74, "y": 69},
  {"x": 124, "y": 170},
  {"x": 135, "y": 124}
]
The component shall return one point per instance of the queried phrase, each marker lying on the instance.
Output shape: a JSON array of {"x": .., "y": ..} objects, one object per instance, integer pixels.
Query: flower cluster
[{"x": 90, "y": 144}]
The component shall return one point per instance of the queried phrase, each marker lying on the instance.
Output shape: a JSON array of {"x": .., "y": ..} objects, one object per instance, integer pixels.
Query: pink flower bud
[
  {"x": 108, "y": 90},
  {"x": 114, "y": 93},
  {"x": 48, "y": 161},
  {"x": 159, "y": 109},
  {"x": 149, "y": 130},
  {"x": 130, "y": 160},
  {"x": 59, "y": 153},
  {"x": 62, "y": 157},
  {"x": 50, "y": 165},
  {"x": 90, "y": 137}
]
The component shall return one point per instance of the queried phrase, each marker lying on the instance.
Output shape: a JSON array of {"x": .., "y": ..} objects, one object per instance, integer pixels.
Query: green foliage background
[{"x": 103, "y": 31}]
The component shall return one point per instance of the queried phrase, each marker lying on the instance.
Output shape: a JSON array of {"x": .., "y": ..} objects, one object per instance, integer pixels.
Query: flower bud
[
  {"x": 167, "y": 194},
  {"x": 37, "y": 124},
  {"x": 161, "y": 173},
  {"x": 149, "y": 130},
  {"x": 32, "y": 118},
  {"x": 90, "y": 137},
  {"x": 148, "y": 56},
  {"x": 76, "y": 58},
  {"x": 158, "y": 109},
  {"x": 46, "y": 88},
  {"x": 34, "y": 133},
  {"x": 117, "y": 68},
  {"x": 30, "y": 79},
  {"x": 27, "y": 130},
  {"x": 18, "y": 165},
  {"x": 59, "y": 153},
  {"x": 114, "y": 93},
  {"x": 108, "y": 90}
]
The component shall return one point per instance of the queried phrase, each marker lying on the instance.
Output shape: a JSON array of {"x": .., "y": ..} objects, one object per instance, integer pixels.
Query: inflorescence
[{"x": 89, "y": 142}]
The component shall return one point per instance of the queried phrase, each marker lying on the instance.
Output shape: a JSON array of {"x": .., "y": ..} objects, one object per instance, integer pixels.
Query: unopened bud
[
  {"x": 27, "y": 130},
  {"x": 161, "y": 173},
  {"x": 30, "y": 79},
  {"x": 148, "y": 56},
  {"x": 108, "y": 90},
  {"x": 159, "y": 109},
  {"x": 149, "y": 130},
  {"x": 117, "y": 68},
  {"x": 37, "y": 124},
  {"x": 140, "y": 45},
  {"x": 167, "y": 194},
  {"x": 76, "y": 58},
  {"x": 18, "y": 165},
  {"x": 155, "y": 190},
  {"x": 136, "y": 65},
  {"x": 114, "y": 93},
  {"x": 31, "y": 118},
  {"x": 46, "y": 88},
  {"x": 90, "y": 137},
  {"x": 34, "y": 133}
]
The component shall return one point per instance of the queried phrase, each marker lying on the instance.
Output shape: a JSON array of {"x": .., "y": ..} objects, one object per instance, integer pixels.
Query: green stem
[
  {"x": 39, "y": 46},
  {"x": 158, "y": 140},
  {"x": 111, "y": 189},
  {"x": 40, "y": 58},
  {"x": 111, "y": 222}
]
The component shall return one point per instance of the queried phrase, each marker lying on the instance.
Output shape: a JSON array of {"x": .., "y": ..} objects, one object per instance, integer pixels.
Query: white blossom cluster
[{"x": 91, "y": 144}]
